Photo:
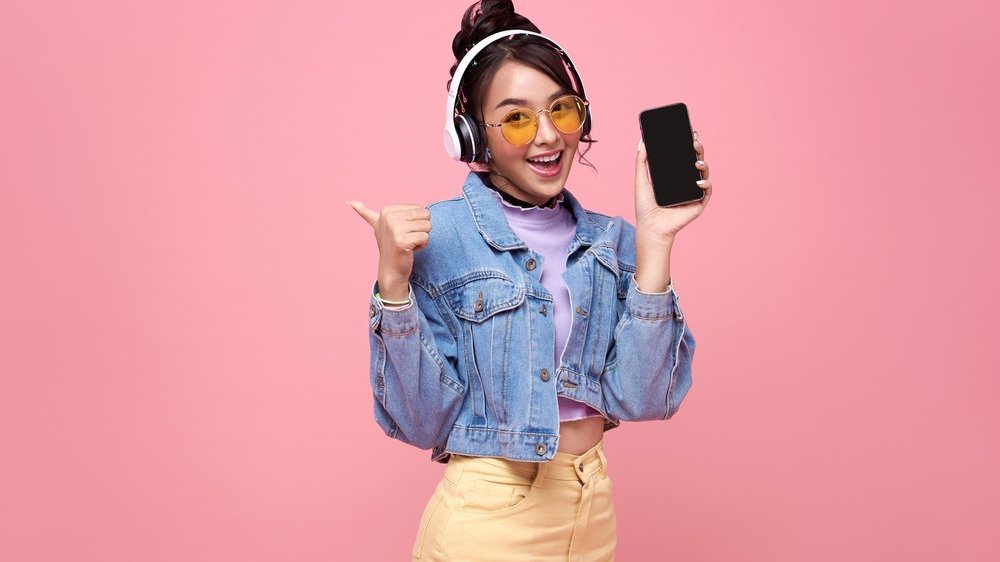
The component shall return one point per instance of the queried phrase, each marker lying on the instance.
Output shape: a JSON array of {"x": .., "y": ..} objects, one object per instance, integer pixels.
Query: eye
[
  {"x": 567, "y": 103},
  {"x": 519, "y": 118}
]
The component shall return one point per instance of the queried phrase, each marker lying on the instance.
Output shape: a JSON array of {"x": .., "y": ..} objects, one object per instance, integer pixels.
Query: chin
[{"x": 545, "y": 184}]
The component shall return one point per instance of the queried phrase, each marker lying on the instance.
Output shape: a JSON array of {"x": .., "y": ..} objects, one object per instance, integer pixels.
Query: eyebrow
[{"x": 519, "y": 101}]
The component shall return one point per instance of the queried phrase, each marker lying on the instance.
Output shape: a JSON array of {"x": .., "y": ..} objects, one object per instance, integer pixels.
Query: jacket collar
[{"x": 492, "y": 224}]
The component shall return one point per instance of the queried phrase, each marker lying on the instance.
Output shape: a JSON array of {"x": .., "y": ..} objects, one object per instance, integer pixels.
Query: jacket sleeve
[
  {"x": 417, "y": 388},
  {"x": 649, "y": 368}
]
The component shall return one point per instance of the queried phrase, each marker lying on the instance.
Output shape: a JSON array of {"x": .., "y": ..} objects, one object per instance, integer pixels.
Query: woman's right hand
[{"x": 399, "y": 231}]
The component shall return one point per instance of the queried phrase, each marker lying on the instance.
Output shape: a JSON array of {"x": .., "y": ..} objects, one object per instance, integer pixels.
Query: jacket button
[
  {"x": 530, "y": 264},
  {"x": 371, "y": 311},
  {"x": 544, "y": 311},
  {"x": 540, "y": 449},
  {"x": 545, "y": 375},
  {"x": 581, "y": 311}
]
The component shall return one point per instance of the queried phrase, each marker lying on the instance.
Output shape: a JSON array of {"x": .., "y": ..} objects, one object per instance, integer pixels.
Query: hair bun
[{"x": 485, "y": 18}]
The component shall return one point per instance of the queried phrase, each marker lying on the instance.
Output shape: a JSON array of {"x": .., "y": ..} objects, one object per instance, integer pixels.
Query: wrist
[
  {"x": 389, "y": 288},
  {"x": 652, "y": 252},
  {"x": 648, "y": 237},
  {"x": 652, "y": 261},
  {"x": 651, "y": 283}
]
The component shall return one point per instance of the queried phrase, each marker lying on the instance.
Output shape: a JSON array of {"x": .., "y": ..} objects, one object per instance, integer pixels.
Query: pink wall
[{"x": 184, "y": 291}]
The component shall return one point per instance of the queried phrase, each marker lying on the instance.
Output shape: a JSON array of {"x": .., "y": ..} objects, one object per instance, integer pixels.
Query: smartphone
[{"x": 670, "y": 154}]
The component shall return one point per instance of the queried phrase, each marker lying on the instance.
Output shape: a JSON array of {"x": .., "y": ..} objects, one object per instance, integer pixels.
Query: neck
[{"x": 514, "y": 200}]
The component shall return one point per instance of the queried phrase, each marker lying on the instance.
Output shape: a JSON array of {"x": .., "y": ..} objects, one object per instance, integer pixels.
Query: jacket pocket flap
[{"x": 484, "y": 296}]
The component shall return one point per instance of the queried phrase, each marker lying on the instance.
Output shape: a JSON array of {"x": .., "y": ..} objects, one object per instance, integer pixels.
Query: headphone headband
[{"x": 452, "y": 143}]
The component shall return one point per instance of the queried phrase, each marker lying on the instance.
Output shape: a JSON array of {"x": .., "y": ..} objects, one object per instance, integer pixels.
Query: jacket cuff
[
  {"x": 652, "y": 306},
  {"x": 390, "y": 319},
  {"x": 670, "y": 286}
]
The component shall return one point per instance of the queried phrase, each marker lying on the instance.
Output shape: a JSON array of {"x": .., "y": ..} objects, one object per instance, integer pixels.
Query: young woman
[{"x": 510, "y": 327}]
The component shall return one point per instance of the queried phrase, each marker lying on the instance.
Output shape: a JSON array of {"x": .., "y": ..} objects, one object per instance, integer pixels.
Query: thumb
[
  {"x": 370, "y": 215},
  {"x": 644, "y": 197},
  {"x": 641, "y": 172}
]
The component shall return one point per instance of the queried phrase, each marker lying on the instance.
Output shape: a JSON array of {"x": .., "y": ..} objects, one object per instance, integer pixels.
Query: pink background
[{"x": 185, "y": 293}]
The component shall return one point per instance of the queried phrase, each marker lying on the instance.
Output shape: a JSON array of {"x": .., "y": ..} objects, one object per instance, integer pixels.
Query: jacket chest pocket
[
  {"x": 488, "y": 303},
  {"x": 481, "y": 297}
]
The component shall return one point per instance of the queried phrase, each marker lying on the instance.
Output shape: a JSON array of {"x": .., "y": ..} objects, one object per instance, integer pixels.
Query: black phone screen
[{"x": 670, "y": 154}]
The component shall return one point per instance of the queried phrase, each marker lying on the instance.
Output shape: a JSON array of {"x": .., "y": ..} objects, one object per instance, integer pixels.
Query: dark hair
[{"x": 485, "y": 18}]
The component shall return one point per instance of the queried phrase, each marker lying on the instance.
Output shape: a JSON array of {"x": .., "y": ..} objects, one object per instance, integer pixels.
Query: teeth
[{"x": 546, "y": 158}]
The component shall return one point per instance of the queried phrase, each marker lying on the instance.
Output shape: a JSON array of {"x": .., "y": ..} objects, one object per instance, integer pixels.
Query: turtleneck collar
[
  {"x": 538, "y": 213},
  {"x": 510, "y": 200}
]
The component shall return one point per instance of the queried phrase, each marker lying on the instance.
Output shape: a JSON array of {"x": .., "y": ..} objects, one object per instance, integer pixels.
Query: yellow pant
[{"x": 489, "y": 509}]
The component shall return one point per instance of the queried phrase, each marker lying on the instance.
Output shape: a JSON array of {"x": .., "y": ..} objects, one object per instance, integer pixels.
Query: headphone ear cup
[
  {"x": 469, "y": 138},
  {"x": 482, "y": 154}
]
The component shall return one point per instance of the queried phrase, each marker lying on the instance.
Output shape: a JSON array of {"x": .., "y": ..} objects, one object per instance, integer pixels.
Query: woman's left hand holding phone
[
  {"x": 399, "y": 230},
  {"x": 656, "y": 227}
]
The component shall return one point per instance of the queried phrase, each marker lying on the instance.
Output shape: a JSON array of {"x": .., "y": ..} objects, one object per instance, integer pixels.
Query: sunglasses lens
[
  {"x": 518, "y": 127},
  {"x": 568, "y": 114}
]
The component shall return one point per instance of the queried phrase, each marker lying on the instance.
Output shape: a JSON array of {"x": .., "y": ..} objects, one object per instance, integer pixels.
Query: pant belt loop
[
  {"x": 582, "y": 519},
  {"x": 539, "y": 478}
]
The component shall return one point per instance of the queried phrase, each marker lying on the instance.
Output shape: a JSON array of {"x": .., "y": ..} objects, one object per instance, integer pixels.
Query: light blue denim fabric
[{"x": 468, "y": 369}]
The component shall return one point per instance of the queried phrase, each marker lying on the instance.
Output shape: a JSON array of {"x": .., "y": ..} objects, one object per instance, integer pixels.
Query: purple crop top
[{"x": 549, "y": 231}]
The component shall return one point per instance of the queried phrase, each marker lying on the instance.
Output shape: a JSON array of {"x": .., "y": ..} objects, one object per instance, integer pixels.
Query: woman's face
[{"x": 518, "y": 85}]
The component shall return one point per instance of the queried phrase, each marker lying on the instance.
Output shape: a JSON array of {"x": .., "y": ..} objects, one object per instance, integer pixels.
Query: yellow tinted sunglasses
[{"x": 519, "y": 126}]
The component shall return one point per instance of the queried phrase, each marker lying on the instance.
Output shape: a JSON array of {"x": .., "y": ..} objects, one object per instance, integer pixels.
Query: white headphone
[{"x": 462, "y": 138}]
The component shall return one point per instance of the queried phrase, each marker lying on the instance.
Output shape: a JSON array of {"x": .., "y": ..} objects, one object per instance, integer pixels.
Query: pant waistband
[{"x": 563, "y": 466}]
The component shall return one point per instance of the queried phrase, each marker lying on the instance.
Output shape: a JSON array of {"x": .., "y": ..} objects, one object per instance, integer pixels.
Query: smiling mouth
[{"x": 548, "y": 163}]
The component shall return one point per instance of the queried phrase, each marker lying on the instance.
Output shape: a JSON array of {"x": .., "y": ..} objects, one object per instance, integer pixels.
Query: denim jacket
[{"x": 469, "y": 367}]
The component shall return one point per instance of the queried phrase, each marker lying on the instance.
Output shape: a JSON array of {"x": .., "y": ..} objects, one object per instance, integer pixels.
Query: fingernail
[
  {"x": 700, "y": 182},
  {"x": 639, "y": 147},
  {"x": 700, "y": 162}
]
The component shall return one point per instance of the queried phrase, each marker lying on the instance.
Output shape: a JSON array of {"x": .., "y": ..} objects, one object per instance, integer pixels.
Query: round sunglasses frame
[{"x": 537, "y": 117}]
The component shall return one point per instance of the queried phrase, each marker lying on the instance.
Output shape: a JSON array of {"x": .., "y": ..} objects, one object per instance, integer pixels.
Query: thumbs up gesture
[{"x": 399, "y": 230}]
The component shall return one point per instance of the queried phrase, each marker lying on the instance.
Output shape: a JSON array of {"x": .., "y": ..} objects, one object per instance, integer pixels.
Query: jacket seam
[
  {"x": 504, "y": 431},
  {"x": 395, "y": 334},
  {"x": 673, "y": 371}
]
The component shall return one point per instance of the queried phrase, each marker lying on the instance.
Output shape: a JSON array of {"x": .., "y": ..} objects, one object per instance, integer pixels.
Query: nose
[{"x": 547, "y": 132}]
